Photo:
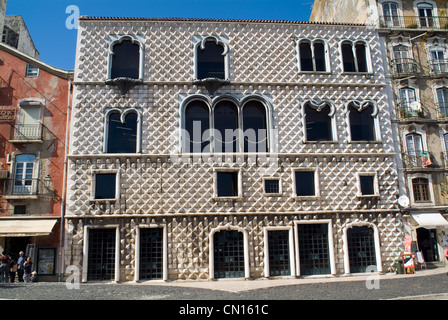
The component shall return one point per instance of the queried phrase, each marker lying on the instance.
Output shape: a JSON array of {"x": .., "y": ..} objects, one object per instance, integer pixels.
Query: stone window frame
[
  {"x": 427, "y": 176},
  {"x": 368, "y": 54},
  {"x": 137, "y": 249},
  {"x": 280, "y": 188},
  {"x": 318, "y": 105},
  {"x": 239, "y": 104},
  {"x": 360, "y": 106},
  {"x": 436, "y": 43},
  {"x": 246, "y": 249},
  {"x": 326, "y": 55},
  {"x": 435, "y": 14},
  {"x": 119, "y": 39},
  {"x": 124, "y": 113},
  {"x": 239, "y": 173},
  {"x": 85, "y": 254},
  {"x": 292, "y": 258},
  {"x": 408, "y": 84},
  {"x": 414, "y": 128},
  {"x": 117, "y": 184},
  {"x": 199, "y": 42},
  {"x": 331, "y": 246},
  {"x": 377, "y": 244},
  {"x": 376, "y": 189},
  {"x": 399, "y": 7},
  {"x": 316, "y": 186}
]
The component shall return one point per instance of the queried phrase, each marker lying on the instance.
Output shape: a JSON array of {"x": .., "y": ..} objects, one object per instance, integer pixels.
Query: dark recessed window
[
  {"x": 254, "y": 127},
  {"x": 105, "y": 186},
  {"x": 226, "y": 123},
  {"x": 271, "y": 186},
  {"x": 126, "y": 60},
  {"x": 420, "y": 188},
  {"x": 312, "y": 56},
  {"x": 197, "y": 125},
  {"x": 306, "y": 59},
  {"x": 354, "y": 57},
  {"x": 362, "y": 124},
  {"x": 210, "y": 61},
  {"x": 20, "y": 209},
  {"x": 318, "y": 124},
  {"x": 367, "y": 185},
  {"x": 122, "y": 136},
  {"x": 227, "y": 184},
  {"x": 305, "y": 183}
]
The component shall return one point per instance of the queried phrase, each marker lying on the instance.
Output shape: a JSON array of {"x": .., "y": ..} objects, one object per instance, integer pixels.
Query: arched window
[
  {"x": 425, "y": 14},
  {"x": 390, "y": 13},
  {"x": 122, "y": 133},
  {"x": 362, "y": 124},
  {"x": 442, "y": 101},
  {"x": 226, "y": 125},
  {"x": 420, "y": 189},
  {"x": 210, "y": 60},
  {"x": 197, "y": 125},
  {"x": 416, "y": 155},
  {"x": 409, "y": 106},
  {"x": 255, "y": 127},
  {"x": 354, "y": 56},
  {"x": 318, "y": 124},
  {"x": 125, "y": 62},
  {"x": 312, "y": 56}
]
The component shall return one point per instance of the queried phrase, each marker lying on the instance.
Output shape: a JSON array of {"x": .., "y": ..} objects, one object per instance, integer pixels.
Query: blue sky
[{"x": 46, "y": 19}]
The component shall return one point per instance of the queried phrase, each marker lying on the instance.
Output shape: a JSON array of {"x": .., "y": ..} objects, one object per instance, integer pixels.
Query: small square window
[
  {"x": 105, "y": 186},
  {"x": 305, "y": 184},
  {"x": 271, "y": 186},
  {"x": 20, "y": 209},
  {"x": 227, "y": 184},
  {"x": 32, "y": 71},
  {"x": 367, "y": 185}
]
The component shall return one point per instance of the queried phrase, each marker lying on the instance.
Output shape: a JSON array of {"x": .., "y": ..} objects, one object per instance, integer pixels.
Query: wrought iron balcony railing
[
  {"x": 406, "y": 109},
  {"x": 418, "y": 159},
  {"x": 438, "y": 66},
  {"x": 442, "y": 110},
  {"x": 21, "y": 187},
  {"x": 414, "y": 22},
  {"x": 27, "y": 132},
  {"x": 404, "y": 67}
]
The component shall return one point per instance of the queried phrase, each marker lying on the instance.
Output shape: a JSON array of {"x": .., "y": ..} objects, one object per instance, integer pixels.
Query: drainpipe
[{"x": 62, "y": 224}]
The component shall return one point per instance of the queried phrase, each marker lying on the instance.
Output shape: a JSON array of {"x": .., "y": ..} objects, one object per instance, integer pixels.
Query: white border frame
[
  {"x": 292, "y": 265},
  {"x": 137, "y": 250},
  {"x": 215, "y": 184},
  {"x": 427, "y": 176},
  {"x": 315, "y": 170},
  {"x": 123, "y": 113},
  {"x": 135, "y": 40},
  {"x": 117, "y": 184},
  {"x": 199, "y": 42},
  {"x": 375, "y": 184}
]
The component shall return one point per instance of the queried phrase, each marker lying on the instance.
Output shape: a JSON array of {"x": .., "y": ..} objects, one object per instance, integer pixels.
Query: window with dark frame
[
  {"x": 105, "y": 186},
  {"x": 126, "y": 60},
  {"x": 210, "y": 61},
  {"x": 272, "y": 186},
  {"x": 122, "y": 137},
  {"x": 227, "y": 183},
  {"x": 312, "y": 56},
  {"x": 354, "y": 57},
  {"x": 20, "y": 209},
  {"x": 318, "y": 124},
  {"x": 420, "y": 188},
  {"x": 362, "y": 124},
  {"x": 305, "y": 184},
  {"x": 197, "y": 125},
  {"x": 367, "y": 185}
]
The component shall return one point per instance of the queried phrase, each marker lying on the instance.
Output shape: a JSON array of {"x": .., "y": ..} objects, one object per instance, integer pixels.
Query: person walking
[
  {"x": 20, "y": 266},
  {"x": 28, "y": 265},
  {"x": 4, "y": 266},
  {"x": 12, "y": 271},
  {"x": 446, "y": 255}
]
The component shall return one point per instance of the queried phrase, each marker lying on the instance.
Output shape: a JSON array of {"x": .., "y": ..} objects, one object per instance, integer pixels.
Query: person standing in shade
[
  {"x": 20, "y": 267},
  {"x": 12, "y": 271},
  {"x": 4, "y": 266},
  {"x": 28, "y": 266}
]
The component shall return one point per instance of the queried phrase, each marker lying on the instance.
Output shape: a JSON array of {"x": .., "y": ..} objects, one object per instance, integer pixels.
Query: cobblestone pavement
[{"x": 431, "y": 285}]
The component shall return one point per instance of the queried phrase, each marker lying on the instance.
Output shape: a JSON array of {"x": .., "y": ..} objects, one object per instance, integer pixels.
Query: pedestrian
[
  {"x": 4, "y": 266},
  {"x": 446, "y": 255},
  {"x": 34, "y": 277},
  {"x": 20, "y": 267},
  {"x": 12, "y": 270},
  {"x": 28, "y": 265}
]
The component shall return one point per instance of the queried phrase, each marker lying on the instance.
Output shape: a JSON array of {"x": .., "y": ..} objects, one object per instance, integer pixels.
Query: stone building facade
[
  {"x": 316, "y": 194},
  {"x": 416, "y": 45}
]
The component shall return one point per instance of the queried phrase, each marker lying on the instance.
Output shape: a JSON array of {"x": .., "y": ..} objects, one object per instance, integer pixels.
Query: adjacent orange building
[{"x": 34, "y": 109}]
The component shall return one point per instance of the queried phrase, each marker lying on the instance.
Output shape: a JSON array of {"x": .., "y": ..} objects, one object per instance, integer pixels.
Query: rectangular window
[
  {"x": 20, "y": 209},
  {"x": 105, "y": 186},
  {"x": 271, "y": 186},
  {"x": 32, "y": 71},
  {"x": 367, "y": 185},
  {"x": 305, "y": 183},
  {"x": 227, "y": 184}
]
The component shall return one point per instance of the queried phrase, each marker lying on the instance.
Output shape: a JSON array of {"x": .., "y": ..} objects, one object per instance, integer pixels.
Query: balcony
[
  {"x": 418, "y": 159},
  {"x": 27, "y": 133},
  {"x": 21, "y": 188},
  {"x": 406, "y": 110},
  {"x": 404, "y": 67},
  {"x": 414, "y": 22},
  {"x": 438, "y": 67},
  {"x": 442, "y": 110}
]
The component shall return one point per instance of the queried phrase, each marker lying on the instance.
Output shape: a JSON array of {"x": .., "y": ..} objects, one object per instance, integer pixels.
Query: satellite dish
[{"x": 403, "y": 201}]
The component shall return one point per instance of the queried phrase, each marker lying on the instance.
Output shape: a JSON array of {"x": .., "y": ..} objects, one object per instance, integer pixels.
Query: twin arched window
[
  {"x": 126, "y": 58},
  {"x": 225, "y": 126},
  {"x": 313, "y": 56},
  {"x": 318, "y": 119},
  {"x": 362, "y": 121},
  {"x": 122, "y": 131},
  {"x": 211, "y": 56},
  {"x": 354, "y": 56}
]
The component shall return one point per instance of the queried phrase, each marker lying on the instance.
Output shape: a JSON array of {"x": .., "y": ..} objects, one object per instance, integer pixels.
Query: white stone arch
[
  {"x": 312, "y": 42},
  {"x": 376, "y": 238},
  {"x": 211, "y": 248},
  {"x": 318, "y": 105},
  {"x": 123, "y": 114},
  {"x": 134, "y": 40},
  {"x": 199, "y": 43},
  {"x": 353, "y": 44},
  {"x": 361, "y": 105}
]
